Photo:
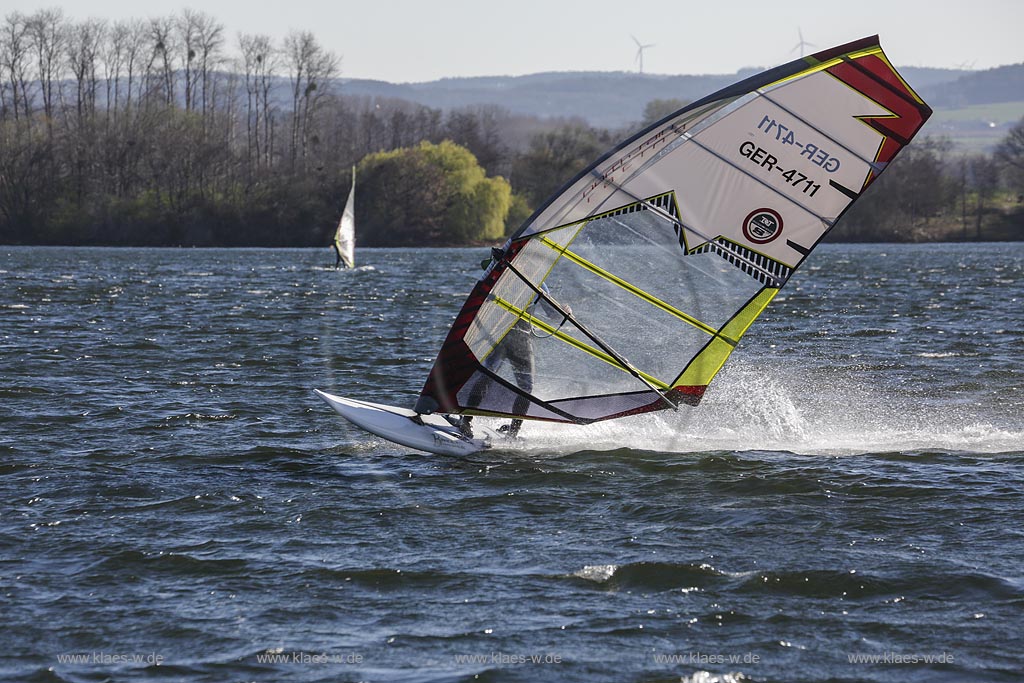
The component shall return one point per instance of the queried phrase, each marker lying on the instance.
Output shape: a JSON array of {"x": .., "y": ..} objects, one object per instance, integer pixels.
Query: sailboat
[
  {"x": 627, "y": 291},
  {"x": 345, "y": 235}
]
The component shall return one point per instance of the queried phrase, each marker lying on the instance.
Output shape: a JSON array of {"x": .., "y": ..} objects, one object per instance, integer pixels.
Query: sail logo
[{"x": 762, "y": 226}]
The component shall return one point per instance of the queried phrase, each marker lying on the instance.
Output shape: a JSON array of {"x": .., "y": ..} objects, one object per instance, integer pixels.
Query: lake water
[{"x": 177, "y": 505}]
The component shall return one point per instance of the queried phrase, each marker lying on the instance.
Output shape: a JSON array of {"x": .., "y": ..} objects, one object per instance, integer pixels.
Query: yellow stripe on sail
[
  {"x": 706, "y": 364},
  {"x": 568, "y": 339},
  {"x": 636, "y": 291}
]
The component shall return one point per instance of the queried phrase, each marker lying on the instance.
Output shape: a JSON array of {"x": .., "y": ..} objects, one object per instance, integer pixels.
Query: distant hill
[
  {"x": 975, "y": 109},
  {"x": 978, "y": 108},
  {"x": 604, "y": 99},
  {"x": 992, "y": 86}
]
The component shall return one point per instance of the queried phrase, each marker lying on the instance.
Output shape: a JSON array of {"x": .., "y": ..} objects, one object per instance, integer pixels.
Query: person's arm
[{"x": 551, "y": 305}]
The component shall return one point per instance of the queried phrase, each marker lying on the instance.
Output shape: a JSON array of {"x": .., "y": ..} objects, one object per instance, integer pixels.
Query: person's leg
[
  {"x": 521, "y": 358},
  {"x": 479, "y": 390}
]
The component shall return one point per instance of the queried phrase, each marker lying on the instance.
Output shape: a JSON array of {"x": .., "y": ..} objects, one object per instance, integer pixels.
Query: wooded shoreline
[{"x": 153, "y": 133}]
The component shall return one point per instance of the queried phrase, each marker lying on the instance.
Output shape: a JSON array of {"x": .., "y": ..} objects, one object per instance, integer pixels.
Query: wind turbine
[
  {"x": 802, "y": 44},
  {"x": 640, "y": 51}
]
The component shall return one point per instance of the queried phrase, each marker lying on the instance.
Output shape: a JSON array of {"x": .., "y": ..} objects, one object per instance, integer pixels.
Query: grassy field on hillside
[{"x": 976, "y": 128}]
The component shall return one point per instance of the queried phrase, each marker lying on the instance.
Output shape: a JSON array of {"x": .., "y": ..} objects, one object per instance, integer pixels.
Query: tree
[
  {"x": 656, "y": 110},
  {"x": 554, "y": 157},
  {"x": 15, "y": 95},
  {"x": 962, "y": 180},
  {"x": 310, "y": 70},
  {"x": 478, "y": 130},
  {"x": 518, "y": 212},
  {"x": 984, "y": 173},
  {"x": 83, "y": 45},
  {"x": 259, "y": 61},
  {"x": 22, "y": 182},
  {"x": 899, "y": 205},
  {"x": 402, "y": 200},
  {"x": 429, "y": 194},
  {"x": 1010, "y": 154},
  {"x": 124, "y": 55},
  {"x": 210, "y": 36},
  {"x": 48, "y": 32},
  {"x": 201, "y": 38},
  {"x": 161, "y": 68}
]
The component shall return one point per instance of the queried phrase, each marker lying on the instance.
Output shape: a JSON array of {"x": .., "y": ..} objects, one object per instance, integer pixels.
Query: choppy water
[{"x": 172, "y": 490}]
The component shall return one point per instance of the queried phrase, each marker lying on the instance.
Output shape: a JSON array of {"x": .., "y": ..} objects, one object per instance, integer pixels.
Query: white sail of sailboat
[{"x": 345, "y": 235}]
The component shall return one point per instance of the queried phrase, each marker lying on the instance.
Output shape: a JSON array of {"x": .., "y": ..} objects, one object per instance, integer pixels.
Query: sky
[{"x": 413, "y": 41}]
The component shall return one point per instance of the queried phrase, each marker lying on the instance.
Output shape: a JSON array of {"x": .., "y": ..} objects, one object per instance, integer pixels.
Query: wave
[
  {"x": 128, "y": 561},
  {"x": 656, "y": 576},
  {"x": 41, "y": 675},
  {"x": 853, "y": 585},
  {"x": 386, "y": 578},
  {"x": 812, "y": 583}
]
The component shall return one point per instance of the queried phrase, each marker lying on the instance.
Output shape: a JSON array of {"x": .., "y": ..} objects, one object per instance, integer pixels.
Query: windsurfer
[{"x": 517, "y": 349}]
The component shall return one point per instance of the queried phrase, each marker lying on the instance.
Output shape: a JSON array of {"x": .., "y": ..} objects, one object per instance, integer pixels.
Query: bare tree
[
  {"x": 372, "y": 128},
  {"x": 492, "y": 148},
  {"x": 963, "y": 182},
  {"x": 258, "y": 60},
  {"x": 83, "y": 47},
  {"x": 21, "y": 182},
  {"x": 211, "y": 43},
  {"x": 122, "y": 54},
  {"x": 187, "y": 30},
  {"x": 311, "y": 69},
  {"x": 1010, "y": 154},
  {"x": 14, "y": 67},
  {"x": 161, "y": 63},
  {"x": 113, "y": 56},
  {"x": 47, "y": 29},
  {"x": 985, "y": 176},
  {"x": 479, "y": 130}
]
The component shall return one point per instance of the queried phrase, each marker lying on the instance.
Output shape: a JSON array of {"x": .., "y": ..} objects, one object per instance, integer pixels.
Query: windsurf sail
[
  {"x": 628, "y": 290},
  {"x": 345, "y": 235}
]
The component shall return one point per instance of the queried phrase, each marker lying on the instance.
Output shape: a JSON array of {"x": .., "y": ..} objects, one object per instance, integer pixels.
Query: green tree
[
  {"x": 429, "y": 194},
  {"x": 518, "y": 212}
]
